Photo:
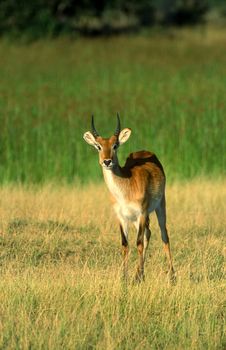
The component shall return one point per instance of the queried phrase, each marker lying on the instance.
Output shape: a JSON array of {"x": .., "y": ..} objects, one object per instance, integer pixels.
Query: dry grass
[{"x": 61, "y": 285}]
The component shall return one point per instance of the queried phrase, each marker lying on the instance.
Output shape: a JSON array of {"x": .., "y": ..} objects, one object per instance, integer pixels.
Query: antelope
[{"x": 137, "y": 189}]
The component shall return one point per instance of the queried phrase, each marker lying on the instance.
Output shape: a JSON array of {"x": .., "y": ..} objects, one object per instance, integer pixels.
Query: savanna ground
[
  {"x": 61, "y": 284},
  {"x": 60, "y": 259}
]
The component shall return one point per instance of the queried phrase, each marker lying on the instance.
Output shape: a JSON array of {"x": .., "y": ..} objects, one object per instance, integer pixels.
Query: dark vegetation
[{"x": 39, "y": 18}]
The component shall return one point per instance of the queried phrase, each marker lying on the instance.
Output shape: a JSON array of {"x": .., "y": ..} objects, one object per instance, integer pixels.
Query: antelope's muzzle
[{"x": 107, "y": 163}]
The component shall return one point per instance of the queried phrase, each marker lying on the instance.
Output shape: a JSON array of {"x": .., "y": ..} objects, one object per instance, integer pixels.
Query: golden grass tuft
[{"x": 60, "y": 266}]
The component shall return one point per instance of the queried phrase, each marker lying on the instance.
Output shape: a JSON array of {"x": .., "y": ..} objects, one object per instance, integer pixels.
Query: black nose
[{"x": 107, "y": 162}]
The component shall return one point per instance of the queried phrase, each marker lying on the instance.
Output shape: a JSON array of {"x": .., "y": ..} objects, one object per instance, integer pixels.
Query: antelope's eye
[
  {"x": 115, "y": 146},
  {"x": 98, "y": 147}
]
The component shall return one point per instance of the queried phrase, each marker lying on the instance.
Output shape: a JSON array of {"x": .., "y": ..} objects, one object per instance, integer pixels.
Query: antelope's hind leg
[
  {"x": 147, "y": 235},
  {"x": 141, "y": 248},
  {"x": 161, "y": 216},
  {"x": 125, "y": 248}
]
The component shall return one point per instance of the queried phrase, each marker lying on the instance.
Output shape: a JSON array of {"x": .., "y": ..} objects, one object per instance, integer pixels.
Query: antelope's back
[{"x": 147, "y": 172}]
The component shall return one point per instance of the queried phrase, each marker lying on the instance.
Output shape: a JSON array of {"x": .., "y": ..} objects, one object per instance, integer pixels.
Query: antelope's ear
[
  {"x": 89, "y": 138},
  {"x": 124, "y": 135}
]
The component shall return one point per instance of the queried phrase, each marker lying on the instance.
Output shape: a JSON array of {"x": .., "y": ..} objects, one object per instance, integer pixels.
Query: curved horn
[
  {"x": 94, "y": 132},
  {"x": 118, "y": 127}
]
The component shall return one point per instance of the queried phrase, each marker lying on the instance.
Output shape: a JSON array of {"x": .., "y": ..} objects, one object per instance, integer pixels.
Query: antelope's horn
[
  {"x": 118, "y": 128},
  {"x": 94, "y": 132}
]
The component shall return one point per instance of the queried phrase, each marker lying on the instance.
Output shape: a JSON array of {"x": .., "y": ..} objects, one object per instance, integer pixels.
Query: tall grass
[
  {"x": 169, "y": 90},
  {"x": 60, "y": 266}
]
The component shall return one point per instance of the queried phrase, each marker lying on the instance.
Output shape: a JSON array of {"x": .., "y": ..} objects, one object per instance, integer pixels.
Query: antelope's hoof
[
  {"x": 139, "y": 278},
  {"x": 124, "y": 278},
  {"x": 172, "y": 277}
]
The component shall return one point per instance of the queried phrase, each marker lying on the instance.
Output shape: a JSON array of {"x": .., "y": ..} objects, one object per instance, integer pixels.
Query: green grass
[
  {"x": 60, "y": 259},
  {"x": 169, "y": 90},
  {"x": 60, "y": 266}
]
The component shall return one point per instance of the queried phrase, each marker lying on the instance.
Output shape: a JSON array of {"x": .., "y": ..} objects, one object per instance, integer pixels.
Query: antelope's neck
[{"x": 115, "y": 182}]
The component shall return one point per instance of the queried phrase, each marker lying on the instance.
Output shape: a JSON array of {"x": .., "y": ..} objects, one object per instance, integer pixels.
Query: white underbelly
[
  {"x": 128, "y": 211},
  {"x": 132, "y": 211}
]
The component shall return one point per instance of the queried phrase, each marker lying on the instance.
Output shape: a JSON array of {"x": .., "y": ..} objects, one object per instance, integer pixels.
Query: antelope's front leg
[
  {"x": 140, "y": 248},
  {"x": 125, "y": 248}
]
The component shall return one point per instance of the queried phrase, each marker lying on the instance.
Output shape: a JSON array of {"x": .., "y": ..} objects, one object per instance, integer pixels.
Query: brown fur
[{"x": 137, "y": 189}]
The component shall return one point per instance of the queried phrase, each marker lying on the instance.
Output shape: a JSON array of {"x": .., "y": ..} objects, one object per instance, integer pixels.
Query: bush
[{"x": 52, "y": 17}]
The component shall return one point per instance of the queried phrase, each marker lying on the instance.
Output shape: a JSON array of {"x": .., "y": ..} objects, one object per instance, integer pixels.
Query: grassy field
[
  {"x": 169, "y": 88},
  {"x": 60, "y": 258},
  {"x": 60, "y": 266}
]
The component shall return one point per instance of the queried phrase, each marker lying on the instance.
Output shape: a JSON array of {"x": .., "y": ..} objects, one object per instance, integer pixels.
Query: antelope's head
[{"x": 107, "y": 147}]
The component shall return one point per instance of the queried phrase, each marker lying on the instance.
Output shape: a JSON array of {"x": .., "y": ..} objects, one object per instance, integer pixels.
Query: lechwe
[{"x": 137, "y": 189}]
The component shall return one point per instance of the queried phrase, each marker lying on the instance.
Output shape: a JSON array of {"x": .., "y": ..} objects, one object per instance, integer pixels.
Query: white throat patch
[{"x": 113, "y": 187}]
